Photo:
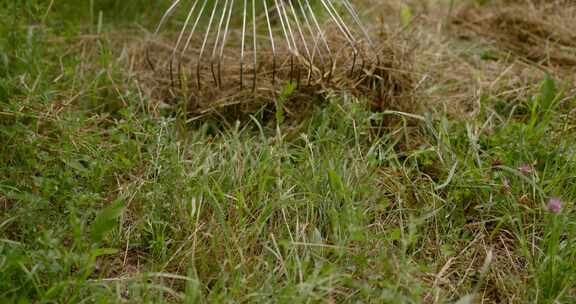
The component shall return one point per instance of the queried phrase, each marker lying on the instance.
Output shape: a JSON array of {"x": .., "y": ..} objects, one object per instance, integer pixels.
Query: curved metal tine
[
  {"x": 291, "y": 34},
  {"x": 243, "y": 42},
  {"x": 299, "y": 28},
  {"x": 194, "y": 26},
  {"x": 304, "y": 42},
  {"x": 205, "y": 40},
  {"x": 323, "y": 38},
  {"x": 217, "y": 41},
  {"x": 352, "y": 38},
  {"x": 271, "y": 42},
  {"x": 343, "y": 28},
  {"x": 179, "y": 40},
  {"x": 224, "y": 39},
  {"x": 165, "y": 16},
  {"x": 342, "y": 25},
  {"x": 285, "y": 32},
  {"x": 254, "y": 44},
  {"x": 282, "y": 23},
  {"x": 315, "y": 40},
  {"x": 288, "y": 27},
  {"x": 193, "y": 30},
  {"x": 354, "y": 13},
  {"x": 328, "y": 4}
]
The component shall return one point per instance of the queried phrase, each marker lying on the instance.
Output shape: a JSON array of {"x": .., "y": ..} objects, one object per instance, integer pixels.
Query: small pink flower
[
  {"x": 526, "y": 168},
  {"x": 554, "y": 205}
]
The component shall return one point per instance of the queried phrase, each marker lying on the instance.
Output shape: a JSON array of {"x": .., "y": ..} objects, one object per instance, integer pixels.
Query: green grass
[{"x": 103, "y": 199}]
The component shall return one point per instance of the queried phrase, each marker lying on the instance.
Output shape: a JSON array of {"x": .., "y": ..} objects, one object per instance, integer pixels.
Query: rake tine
[
  {"x": 193, "y": 30},
  {"x": 292, "y": 48},
  {"x": 315, "y": 49},
  {"x": 284, "y": 31},
  {"x": 288, "y": 27},
  {"x": 323, "y": 38},
  {"x": 243, "y": 42},
  {"x": 304, "y": 42},
  {"x": 304, "y": 38},
  {"x": 217, "y": 41},
  {"x": 190, "y": 14},
  {"x": 271, "y": 42},
  {"x": 184, "y": 27},
  {"x": 180, "y": 36},
  {"x": 167, "y": 14},
  {"x": 359, "y": 24},
  {"x": 296, "y": 50},
  {"x": 342, "y": 27},
  {"x": 352, "y": 11},
  {"x": 351, "y": 39},
  {"x": 224, "y": 39},
  {"x": 299, "y": 28},
  {"x": 339, "y": 21},
  {"x": 254, "y": 43},
  {"x": 199, "y": 62}
]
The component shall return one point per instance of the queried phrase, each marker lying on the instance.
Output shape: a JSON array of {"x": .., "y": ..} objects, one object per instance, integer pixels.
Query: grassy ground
[{"x": 107, "y": 197}]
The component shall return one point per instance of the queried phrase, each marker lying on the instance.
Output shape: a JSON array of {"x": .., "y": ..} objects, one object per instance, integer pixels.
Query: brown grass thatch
[
  {"x": 539, "y": 32},
  {"x": 383, "y": 75}
]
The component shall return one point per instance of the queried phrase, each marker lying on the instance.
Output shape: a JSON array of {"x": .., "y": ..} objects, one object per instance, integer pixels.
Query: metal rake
[{"x": 221, "y": 42}]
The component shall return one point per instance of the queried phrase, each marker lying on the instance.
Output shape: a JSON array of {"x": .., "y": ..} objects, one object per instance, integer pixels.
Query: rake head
[{"x": 259, "y": 44}]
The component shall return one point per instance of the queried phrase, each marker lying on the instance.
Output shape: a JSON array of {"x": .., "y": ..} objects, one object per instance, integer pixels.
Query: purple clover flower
[
  {"x": 526, "y": 168},
  {"x": 554, "y": 205}
]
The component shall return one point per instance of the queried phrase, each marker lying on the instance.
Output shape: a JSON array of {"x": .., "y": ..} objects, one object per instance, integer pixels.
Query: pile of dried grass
[
  {"x": 538, "y": 32},
  {"x": 384, "y": 76}
]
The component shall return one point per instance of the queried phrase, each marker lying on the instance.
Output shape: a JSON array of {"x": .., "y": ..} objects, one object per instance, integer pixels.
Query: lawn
[{"x": 461, "y": 190}]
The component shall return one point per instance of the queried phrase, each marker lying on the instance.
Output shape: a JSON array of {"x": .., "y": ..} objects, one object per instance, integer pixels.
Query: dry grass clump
[
  {"x": 539, "y": 32},
  {"x": 500, "y": 49},
  {"x": 382, "y": 75}
]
